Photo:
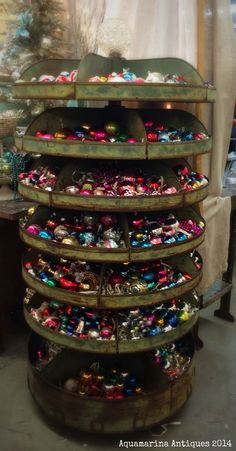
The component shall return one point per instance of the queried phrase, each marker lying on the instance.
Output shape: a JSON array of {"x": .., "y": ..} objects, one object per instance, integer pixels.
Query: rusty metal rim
[
  {"x": 65, "y": 296},
  {"x": 114, "y": 346},
  {"x": 129, "y": 254}
]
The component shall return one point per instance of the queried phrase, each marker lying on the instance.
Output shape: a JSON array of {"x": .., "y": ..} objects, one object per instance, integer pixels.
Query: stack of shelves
[{"x": 160, "y": 397}]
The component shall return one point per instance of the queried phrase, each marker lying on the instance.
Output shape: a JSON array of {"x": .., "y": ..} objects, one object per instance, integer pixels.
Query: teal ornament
[{"x": 46, "y": 234}]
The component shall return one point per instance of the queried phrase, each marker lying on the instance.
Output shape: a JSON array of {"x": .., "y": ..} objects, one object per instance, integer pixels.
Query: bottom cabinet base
[{"x": 101, "y": 416}]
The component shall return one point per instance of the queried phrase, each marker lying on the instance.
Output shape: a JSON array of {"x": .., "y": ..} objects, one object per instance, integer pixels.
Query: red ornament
[
  {"x": 107, "y": 221},
  {"x": 68, "y": 283},
  {"x": 152, "y": 136},
  {"x": 116, "y": 279}
]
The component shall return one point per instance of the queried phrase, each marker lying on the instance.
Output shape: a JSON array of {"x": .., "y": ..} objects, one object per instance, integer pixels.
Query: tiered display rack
[{"x": 161, "y": 398}]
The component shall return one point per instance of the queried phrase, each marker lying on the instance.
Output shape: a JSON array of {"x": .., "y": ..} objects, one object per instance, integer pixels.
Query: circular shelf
[
  {"x": 109, "y": 255},
  {"x": 116, "y": 204},
  {"x": 116, "y": 346},
  {"x": 130, "y": 120},
  {"x": 102, "y": 254},
  {"x": 162, "y": 92},
  {"x": 160, "y": 400},
  {"x": 184, "y": 263}
]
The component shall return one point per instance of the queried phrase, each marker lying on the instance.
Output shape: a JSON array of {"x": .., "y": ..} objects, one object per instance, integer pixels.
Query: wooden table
[{"x": 11, "y": 283}]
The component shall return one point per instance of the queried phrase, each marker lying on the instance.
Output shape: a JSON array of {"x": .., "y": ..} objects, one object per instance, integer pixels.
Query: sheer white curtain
[{"x": 159, "y": 27}]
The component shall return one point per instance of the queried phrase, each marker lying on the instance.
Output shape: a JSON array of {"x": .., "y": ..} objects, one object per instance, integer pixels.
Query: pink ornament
[
  {"x": 170, "y": 190},
  {"x": 34, "y": 229},
  {"x": 46, "y": 78},
  {"x": 155, "y": 240},
  {"x": 73, "y": 75},
  {"x": 48, "y": 136},
  {"x": 85, "y": 192},
  {"x": 131, "y": 140},
  {"x": 99, "y": 134},
  {"x": 40, "y": 133}
]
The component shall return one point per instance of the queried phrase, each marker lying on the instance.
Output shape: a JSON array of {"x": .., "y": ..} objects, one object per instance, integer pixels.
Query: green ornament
[
  {"x": 51, "y": 283},
  {"x": 55, "y": 305},
  {"x": 122, "y": 137},
  {"x": 152, "y": 285}
]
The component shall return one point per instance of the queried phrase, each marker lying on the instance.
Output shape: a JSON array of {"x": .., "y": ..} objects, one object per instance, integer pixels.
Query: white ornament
[
  {"x": 46, "y": 43},
  {"x": 154, "y": 77}
]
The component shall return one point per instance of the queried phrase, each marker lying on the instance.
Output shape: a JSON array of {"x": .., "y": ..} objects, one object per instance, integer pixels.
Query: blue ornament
[
  {"x": 79, "y": 132},
  {"x": 186, "y": 136},
  {"x": 46, "y": 234},
  {"x": 149, "y": 276},
  {"x": 131, "y": 382},
  {"x": 153, "y": 331},
  {"x": 181, "y": 236},
  {"x": 128, "y": 76},
  {"x": 146, "y": 244},
  {"x": 163, "y": 137},
  {"x": 128, "y": 391},
  {"x": 44, "y": 276},
  {"x": 169, "y": 240},
  {"x": 135, "y": 243},
  {"x": 70, "y": 329},
  {"x": 173, "y": 322}
]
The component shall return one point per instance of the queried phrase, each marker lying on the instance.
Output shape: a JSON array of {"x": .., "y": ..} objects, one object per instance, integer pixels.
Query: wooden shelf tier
[
  {"x": 183, "y": 263},
  {"x": 194, "y": 91},
  {"x": 60, "y": 199},
  {"x": 116, "y": 346},
  {"x": 102, "y": 254},
  {"x": 129, "y": 120}
]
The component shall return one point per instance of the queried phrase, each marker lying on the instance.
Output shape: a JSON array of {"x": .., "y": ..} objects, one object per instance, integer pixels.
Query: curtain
[{"x": 220, "y": 67}]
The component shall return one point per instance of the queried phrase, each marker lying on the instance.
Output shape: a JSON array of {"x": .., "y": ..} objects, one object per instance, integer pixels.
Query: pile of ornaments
[
  {"x": 110, "y": 133},
  {"x": 173, "y": 358},
  {"x": 141, "y": 278},
  {"x": 147, "y": 231},
  {"x": 104, "y": 383},
  {"x": 123, "y": 279},
  {"x": 126, "y": 76},
  {"x": 84, "y": 229},
  {"x": 161, "y": 133},
  {"x": 63, "y": 77},
  {"x": 42, "y": 178},
  {"x": 83, "y": 323},
  {"x": 155, "y": 320},
  {"x": 107, "y": 182},
  {"x": 188, "y": 179},
  {"x": 74, "y": 321},
  {"x": 66, "y": 274}
]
